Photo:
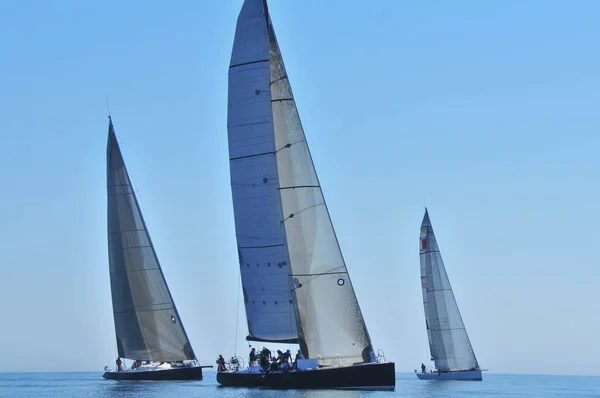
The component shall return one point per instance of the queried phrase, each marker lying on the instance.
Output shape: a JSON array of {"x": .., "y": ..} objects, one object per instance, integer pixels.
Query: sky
[{"x": 485, "y": 112}]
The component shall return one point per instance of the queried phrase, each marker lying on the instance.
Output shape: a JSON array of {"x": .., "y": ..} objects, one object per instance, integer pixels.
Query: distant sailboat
[
  {"x": 147, "y": 325},
  {"x": 295, "y": 283},
  {"x": 449, "y": 343}
]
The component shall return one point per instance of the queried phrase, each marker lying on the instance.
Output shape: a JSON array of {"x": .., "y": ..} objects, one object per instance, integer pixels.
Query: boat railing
[{"x": 236, "y": 364}]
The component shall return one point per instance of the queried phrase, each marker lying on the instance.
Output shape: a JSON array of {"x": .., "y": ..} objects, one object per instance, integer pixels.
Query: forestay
[
  {"x": 280, "y": 211},
  {"x": 147, "y": 324},
  {"x": 448, "y": 340}
]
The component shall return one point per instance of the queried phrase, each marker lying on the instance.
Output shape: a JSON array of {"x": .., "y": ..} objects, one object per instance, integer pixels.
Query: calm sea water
[{"x": 92, "y": 385}]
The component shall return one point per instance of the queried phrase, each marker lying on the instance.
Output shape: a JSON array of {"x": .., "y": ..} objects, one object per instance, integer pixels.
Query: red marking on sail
[{"x": 423, "y": 243}]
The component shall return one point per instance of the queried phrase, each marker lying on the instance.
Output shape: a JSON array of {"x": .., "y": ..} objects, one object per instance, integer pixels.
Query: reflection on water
[
  {"x": 91, "y": 385},
  {"x": 264, "y": 393}
]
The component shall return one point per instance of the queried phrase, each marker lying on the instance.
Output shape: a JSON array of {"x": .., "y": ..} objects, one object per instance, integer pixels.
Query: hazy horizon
[{"x": 484, "y": 112}]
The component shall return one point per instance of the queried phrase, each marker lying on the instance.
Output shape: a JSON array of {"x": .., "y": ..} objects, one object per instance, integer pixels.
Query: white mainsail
[
  {"x": 449, "y": 343},
  {"x": 147, "y": 324},
  {"x": 295, "y": 281}
]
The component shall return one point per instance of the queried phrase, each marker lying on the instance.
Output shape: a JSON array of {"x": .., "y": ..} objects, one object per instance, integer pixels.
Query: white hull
[{"x": 458, "y": 375}]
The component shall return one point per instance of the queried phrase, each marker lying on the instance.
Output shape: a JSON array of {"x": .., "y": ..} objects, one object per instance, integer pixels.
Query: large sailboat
[
  {"x": 296, "y": 287},
  {"x": 449, "y": 343},
  {"x": 147, "y": 325}
]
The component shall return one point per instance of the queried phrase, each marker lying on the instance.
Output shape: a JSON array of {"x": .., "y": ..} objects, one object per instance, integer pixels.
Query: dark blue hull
[
  {"x": 183, "y": 373},
  {"x": 373, "y": 376}
]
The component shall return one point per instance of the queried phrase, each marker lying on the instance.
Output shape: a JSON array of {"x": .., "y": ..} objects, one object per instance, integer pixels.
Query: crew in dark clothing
[
  {"x": 286, "y": 358},
  {"x": 221, "y": 364},
  {"x": 423, "y": 367},
  {"x": 265, "y": 356},
  {"x": 118, "y": 362},
  {"x": 298, "y": 356},
  {"x": 275, "y": 363},
  {"x": 253, "y": 357},
  {"x": 266, "y": 352}
]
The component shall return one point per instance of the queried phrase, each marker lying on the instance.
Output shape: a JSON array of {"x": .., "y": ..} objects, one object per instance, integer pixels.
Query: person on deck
[
  {"x": 423, "y": 367},
  {"x": 118, "y": 362},
  {"x": 274, "y": 366},
  {"x": 221, "y": 364},
  {"x": 253, "y": 357},
  {"x": 298, "y": 356},
  {"x": 265, "y": 355},
  {"x": 286, "y": 358},
  {"x": 266, "y": 352}
]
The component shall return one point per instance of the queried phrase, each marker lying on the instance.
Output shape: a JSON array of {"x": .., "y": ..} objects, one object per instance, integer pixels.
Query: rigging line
[
  {"x": 208, "y": 371},
  {"x": 289, "y": 144},
  {"x": 237, "y": 316},
  {"x": 291, "y": 329},
  {"x": 300, "y": 211}
]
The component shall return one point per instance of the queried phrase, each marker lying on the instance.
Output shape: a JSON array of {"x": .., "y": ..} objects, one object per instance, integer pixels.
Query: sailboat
[
  {"x": 296, "y": 286},
  {"x": 147, "y": 325},
  {"x": 449, "y": 343}
]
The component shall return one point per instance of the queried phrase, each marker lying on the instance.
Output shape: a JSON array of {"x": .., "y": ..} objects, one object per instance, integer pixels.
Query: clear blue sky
[{"x": 485, "y": 111}]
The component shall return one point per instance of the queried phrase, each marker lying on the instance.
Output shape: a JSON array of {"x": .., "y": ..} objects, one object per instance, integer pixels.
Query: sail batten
[
  {"x": 147, "y": 324},
  {"x": 449, "y": 342},
  {"x": 278, "y": 203}
]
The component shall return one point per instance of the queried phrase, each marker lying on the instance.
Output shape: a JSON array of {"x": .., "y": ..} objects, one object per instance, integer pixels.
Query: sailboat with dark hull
[
  {"x": 296, "y": 286},
  {"x": 147, "y": 325},
  {"x": 449, "y": 342}
]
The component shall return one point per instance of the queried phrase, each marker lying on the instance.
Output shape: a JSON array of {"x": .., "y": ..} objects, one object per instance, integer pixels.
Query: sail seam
[
  {"x": 129, "y": 247},
  {"x": 136, "y": 309},
  {"x": 444, "y": 330},
  {"x": 322, "y": 273},
  {"x": 282, "y": 99},
  {"x": 300, "y": 186},
  {"x": 249, "y": 63},
  {"x": 129, "y": 230},
  {"x": 247, "y": 124},
  {"x": 259, "y": 247},
  {"x": 251, "y": 156},
  {"x": 134, "y": 270}
]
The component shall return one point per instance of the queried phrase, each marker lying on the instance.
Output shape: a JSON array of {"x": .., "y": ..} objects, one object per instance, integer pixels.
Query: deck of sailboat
[
  {"x": 370, "y": 376},
  {"x": 466, "y": 375}
]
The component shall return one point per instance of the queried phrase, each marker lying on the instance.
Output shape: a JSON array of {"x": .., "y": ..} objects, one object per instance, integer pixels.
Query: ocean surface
[{"x": 407, "y": 385}]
